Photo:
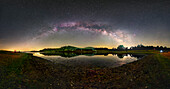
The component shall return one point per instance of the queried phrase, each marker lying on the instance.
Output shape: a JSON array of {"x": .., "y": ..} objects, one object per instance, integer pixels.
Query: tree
[
  {"x": 121, "y": 47},
  {"x": 161, "y": 47}
]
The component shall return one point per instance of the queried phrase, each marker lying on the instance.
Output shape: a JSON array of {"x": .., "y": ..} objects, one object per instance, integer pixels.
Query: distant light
[{"x": 161, "y": 51}]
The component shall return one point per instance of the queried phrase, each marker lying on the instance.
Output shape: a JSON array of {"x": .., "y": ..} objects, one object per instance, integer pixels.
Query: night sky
[{"x": 38, "y": 24}]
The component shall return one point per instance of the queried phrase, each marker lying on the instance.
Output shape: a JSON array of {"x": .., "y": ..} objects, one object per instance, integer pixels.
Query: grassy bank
[
  {"x": 149, "y": 72},
  {"x": 99, "y": 52},
  {"x": 20, "y": 70},
  {"x": 129, "y": 51}
]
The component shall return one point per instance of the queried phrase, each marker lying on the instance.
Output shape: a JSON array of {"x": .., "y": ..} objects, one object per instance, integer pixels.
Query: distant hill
[{"x": 68, "y": 49}]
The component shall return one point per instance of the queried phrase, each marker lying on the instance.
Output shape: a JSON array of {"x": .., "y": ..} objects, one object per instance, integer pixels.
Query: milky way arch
[{"x": 117, "y": 35}]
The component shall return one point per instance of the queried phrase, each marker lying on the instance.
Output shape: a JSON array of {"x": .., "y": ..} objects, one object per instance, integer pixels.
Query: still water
[{"x": 91, "y": 60}]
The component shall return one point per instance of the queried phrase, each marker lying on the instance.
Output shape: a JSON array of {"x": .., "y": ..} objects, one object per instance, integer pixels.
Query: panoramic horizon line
[{"x": 80, "y": 47}]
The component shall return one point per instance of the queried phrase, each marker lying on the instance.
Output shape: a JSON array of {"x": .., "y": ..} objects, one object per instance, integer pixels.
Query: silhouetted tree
[
  {"x": 161, "y": 47},
  {"x": 121, "y": 47},
  {"x": 165, "y": 47},
  {"x": 126, "y": 48}
]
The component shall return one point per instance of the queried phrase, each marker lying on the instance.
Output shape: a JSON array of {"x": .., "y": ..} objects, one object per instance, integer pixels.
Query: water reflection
[
  {"x": 72, "y": 54},
  {"x": 90, "y": 59}
]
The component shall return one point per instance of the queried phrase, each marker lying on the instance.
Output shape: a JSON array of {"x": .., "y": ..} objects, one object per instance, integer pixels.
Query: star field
[{"x": 35, "y": 24}]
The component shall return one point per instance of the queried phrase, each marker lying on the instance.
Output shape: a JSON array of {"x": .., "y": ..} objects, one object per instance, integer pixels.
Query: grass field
[{"x": 21, "y": 70}]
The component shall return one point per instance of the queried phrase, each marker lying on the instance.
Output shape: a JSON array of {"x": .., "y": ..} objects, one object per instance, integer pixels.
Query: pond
[{"x": 90, "y": 60}]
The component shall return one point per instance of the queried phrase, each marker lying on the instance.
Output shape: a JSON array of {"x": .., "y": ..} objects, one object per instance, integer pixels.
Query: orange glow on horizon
[
  {"x": 37, "y": 49},
  {"x": 22, "y": 48}
]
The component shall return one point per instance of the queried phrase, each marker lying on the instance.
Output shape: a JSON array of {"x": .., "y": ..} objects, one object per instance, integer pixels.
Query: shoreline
[{"x": 35, "y": 72}]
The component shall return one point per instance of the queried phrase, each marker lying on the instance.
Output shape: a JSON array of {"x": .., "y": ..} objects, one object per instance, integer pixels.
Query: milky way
[
  {"x": 38, "y": 24},
  {"x": 118, "y": 35}
]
